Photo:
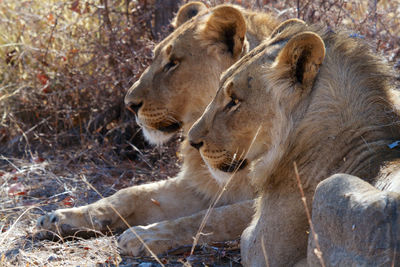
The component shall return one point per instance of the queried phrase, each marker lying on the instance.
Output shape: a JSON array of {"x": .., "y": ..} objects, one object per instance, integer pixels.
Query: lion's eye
[
  {"x": 234, "y": 102},
  {"x": 170, "y": 65}
]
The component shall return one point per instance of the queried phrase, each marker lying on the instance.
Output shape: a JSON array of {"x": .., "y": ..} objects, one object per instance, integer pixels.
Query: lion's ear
[
  {"x": 186, "y": 12},
  {"x": 285, "y": 24},
  {"x": 302, "y": 56},
  {"x": 226, "y": 26}
]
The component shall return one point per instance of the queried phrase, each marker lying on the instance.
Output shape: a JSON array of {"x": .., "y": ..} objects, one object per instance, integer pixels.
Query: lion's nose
[
  {"x": 196, "y": 145},
  {"x": 135, "y": 107}
]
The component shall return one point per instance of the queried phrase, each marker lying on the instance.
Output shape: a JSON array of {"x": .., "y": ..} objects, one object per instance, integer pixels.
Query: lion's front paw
[
  {"x": 157, "y": 238},
  {"x": 52, "y": 224},
  {"x": 61, "y": 223}
]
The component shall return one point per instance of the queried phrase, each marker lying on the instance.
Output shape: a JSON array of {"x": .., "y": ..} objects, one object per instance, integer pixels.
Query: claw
[
  {"x": 40, "y": 221},
  {"x": 53, "y": 218}
]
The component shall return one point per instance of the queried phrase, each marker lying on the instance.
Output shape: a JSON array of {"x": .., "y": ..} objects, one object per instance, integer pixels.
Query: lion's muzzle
[
  {"x": 171, "y": 128},
  {"x": 234, "y": 166}
]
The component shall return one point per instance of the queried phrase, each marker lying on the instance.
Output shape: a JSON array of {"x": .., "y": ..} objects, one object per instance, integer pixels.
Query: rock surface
[{"x": 356, "y": 224}]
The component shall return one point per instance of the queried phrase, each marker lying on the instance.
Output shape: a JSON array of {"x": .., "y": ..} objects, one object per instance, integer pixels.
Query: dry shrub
[
  {"x": 376, "y": 21},
  {"x": 66, "y": 68}
]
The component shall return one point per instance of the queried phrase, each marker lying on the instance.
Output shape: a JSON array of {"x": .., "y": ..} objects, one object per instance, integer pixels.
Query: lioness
[
  {"x": 307, "y": 95},
  {"x": 170, "y": 95}
]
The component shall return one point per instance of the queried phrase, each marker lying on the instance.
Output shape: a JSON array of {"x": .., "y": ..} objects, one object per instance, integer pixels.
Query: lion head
[
  {"x": 287, "y": 101},
  {"x": 238, "y": 125},
  {"x": 174, "y": 90},
  {"x": 310, "y": 96}
]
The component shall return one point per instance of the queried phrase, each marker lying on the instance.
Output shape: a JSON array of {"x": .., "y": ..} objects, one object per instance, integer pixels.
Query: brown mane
[
  {"x": 310, "y": 96},
  {"x": 349, "y": 114}
]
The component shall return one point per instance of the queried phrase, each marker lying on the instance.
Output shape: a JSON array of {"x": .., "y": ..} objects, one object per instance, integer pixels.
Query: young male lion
[
  {"x": 320, "y": 99},
  {"x": 170, "y": 95}
]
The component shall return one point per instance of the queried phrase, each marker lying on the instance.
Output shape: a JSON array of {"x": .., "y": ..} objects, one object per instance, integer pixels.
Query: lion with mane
[
  {"x": 169, "y": 97},
  {"x": 310, "y": 96}
]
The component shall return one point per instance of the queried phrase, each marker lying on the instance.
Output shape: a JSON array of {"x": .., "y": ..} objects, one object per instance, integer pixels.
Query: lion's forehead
[
  {"x": 242, "y": 74},
  {"x": 175, "y": 39},
  {"x": 183, "y": 33},
  {"x": 262, "y": 56}
]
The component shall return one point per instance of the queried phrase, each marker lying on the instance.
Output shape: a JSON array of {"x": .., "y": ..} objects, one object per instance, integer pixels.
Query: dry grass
[
  {"x": 64, "y": 70},
  {"x": 52, "y": 184}
]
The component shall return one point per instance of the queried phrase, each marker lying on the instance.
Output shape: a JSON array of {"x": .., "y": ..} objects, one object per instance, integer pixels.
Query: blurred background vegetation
[
  {"x": 66, "y": 65},
  {"x": 65, "y": 68}
]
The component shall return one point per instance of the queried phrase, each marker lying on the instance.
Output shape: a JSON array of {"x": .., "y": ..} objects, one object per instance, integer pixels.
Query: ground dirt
[{"x": 29, "y": 189}]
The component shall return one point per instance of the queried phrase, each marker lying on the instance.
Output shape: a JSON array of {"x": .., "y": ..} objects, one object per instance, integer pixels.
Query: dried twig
[
  {"x": 219, "y": 195},
  {"x": 264, "y": 251},
  {"x": 317, "y": 251}
]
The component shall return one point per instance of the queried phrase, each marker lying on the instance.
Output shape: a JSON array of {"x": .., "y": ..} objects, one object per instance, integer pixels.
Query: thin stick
[
  {"x": 394, "y": 256},
  {"x": 28, "y": 145},
  {"x": 12, "y": 226},
  {"x": 317, "y": 251},
  {"x": 214, "y": 202},
  {"x": 264, "y": 251},
  {"x": 298, "y": 9}
]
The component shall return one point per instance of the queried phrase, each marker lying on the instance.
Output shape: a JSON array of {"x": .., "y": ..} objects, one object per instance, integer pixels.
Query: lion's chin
[
  {"x": 220, "y": 176},
  {"x": 223, "y": 172},
  {"x": 156, "y": 137}
]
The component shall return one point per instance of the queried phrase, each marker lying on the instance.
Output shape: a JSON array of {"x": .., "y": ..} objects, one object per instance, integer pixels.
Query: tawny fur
[
  {"x": 174, "y": 90},
  {"x": 334, "y": 117}
]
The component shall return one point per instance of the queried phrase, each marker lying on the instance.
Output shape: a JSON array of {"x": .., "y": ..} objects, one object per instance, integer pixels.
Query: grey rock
[{"x": 356, "y": 224}]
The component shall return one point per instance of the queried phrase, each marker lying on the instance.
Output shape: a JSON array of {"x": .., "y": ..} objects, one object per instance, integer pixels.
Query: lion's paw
[
  {"x": 158, "y": 239},
  {"x": 61, "y": 222},
  {"x": 52, "y": 224}
]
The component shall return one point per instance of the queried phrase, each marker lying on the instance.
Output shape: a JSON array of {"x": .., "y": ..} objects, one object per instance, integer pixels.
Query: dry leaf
[
  {"x": 69, "y": 201},
  {"x": 155, "y": 202},
  {"x": 43, "y": 79},
  {"x": 17, "y": 189},
  {"x": 75, "y": 7}
]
